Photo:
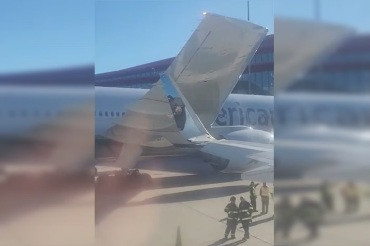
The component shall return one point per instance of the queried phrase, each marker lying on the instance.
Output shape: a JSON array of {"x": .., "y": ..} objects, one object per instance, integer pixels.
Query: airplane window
[
  {"x": 123, "y": 113},
  {"x": 24, "y": 113},
  {"x": 36, "y": 113},
  {"x": 100, "y": 114},
  {"x": 117, "y": 114},
  {"x": 112, "y": 114},
  {"x": 47, "y": 113},
  {"x": 106, "y": 113}
]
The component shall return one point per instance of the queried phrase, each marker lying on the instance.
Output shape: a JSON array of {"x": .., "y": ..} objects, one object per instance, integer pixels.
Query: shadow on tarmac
[
  {"x": 224, "y": 240},
  {"x": 24, "y": 193},
  {"x": 107, "y": 203},
  {"x": 235, "y": 243},
  {"x": 182, "y": 164},
  {"x": 218, "y": 242},
  {"x": 193, "y": 180},
  {"x": 257, "y": 222},
  {"x": 194, "y": 195},
  {"x": 296, "y": 242},
  {"x": 257, "y": 215},
  {"x": 347, "y": 219},
  {"x": 112, "y": 193}
]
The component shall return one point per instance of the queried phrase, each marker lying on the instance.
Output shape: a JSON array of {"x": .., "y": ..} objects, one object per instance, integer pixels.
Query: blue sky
[
  {"x": 130, "y": 33},
  {"x": 45, "y": 34},
  {"x": 353, "y": 13}
]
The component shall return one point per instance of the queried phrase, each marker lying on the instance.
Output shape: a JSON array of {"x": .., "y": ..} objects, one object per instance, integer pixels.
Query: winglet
[{"x": 210, "y": 64}]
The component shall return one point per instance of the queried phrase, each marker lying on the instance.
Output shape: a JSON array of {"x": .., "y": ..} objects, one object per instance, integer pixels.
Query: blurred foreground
[{"x": 322, "y": 131}]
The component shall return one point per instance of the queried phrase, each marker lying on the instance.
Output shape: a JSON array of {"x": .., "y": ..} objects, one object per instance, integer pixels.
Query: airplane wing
[
  {"x": 225, "y": 155},
  {"x": 205, "y": 71},
  {"x": 250, "y": 159},
  {"x": 188, "y": 96},
  {"x": 208, "y": 67}
]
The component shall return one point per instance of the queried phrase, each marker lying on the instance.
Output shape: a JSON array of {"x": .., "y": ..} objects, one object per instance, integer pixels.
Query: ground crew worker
[
  {"x": 327, "y": 197},
  {"x": 232, "y": 211},
  {"x": 311, "y": 213},
  {"x": 284, "y": 217},
  {"x": 351, "y": 197},
  {"x": 245, "y": 214},
  {"x": 265, "y": 197},
  {"x": 253, "y": 195}
]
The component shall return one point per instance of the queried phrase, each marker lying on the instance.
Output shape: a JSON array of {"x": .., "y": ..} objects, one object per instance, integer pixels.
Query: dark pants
[
  {"x": 265, "y": 204},
  {"x": 314, "y": 229},
  {"x": 352, "y": 205},
  {"x": 253, "y": 202},
  {"x": 245, "y": 224},
  {"x": 328, "y": 202},
  {"x": 285, "y": 227},
  {"x": 231, "y": 227}
]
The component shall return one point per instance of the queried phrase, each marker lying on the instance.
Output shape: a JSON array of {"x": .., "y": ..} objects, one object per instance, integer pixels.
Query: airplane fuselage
[{"x": 245, "y": 110}]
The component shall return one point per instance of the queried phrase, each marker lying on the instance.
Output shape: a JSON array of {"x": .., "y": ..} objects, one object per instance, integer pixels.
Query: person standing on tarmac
[
  {"x": 232, "y": 211},
  {"x": 351, "y": 197},
  {"x": 253, "y": 195},
  {"x": 265, "y": 197},
  {"x": 284, "y": 217},
  {"x": 311, "y": 214},
  {"x": 245, "y": 214},
  {"x": 327, "y": 196}
]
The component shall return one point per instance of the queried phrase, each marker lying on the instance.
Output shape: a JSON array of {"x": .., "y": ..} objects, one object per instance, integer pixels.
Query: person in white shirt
[{"x": 265, "y": 197}]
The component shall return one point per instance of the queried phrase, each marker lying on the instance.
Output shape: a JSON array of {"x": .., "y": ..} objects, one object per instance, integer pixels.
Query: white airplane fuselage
[
  {"x": 238, "y": 110},
  {"x": 23, "y": 109}
]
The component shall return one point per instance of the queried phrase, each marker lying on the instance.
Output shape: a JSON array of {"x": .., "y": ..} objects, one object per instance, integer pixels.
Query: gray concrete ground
[
  {"x": 338, "y": 228},
  {"x": 181, "y": 206},
  {"x": 47, "y": 209}
]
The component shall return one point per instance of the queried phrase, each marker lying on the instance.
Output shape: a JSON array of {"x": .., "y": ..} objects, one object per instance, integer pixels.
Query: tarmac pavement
[{"x": 180, "y": 206}]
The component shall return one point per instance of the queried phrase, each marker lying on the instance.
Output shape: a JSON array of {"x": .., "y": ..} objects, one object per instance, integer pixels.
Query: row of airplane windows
[
  {"x": 37, "y": 113},
  {"x": 30, "y": 113},
  {"x": 109, "y": 114}
]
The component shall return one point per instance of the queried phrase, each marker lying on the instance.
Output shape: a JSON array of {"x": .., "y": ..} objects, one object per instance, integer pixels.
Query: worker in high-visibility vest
[
  {"x": 232, "y": 211},
  {"x": 253, "y": 195},
  {"x": 265, "y": 197},
  {"x": 245, "y": 214},
  {"x": 351, "y": 196}
]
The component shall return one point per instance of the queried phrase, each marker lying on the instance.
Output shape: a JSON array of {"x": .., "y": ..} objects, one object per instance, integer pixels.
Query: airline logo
[{"x": 259, "y": 118}]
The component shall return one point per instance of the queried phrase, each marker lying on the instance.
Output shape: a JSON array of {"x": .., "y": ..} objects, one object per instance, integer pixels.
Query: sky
[
  {"x": 130, "y": 33},
  {"x": 117, "y": 34},
  {"x": 353, "y": 13},
  {"x": 45, "y": 34}
]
